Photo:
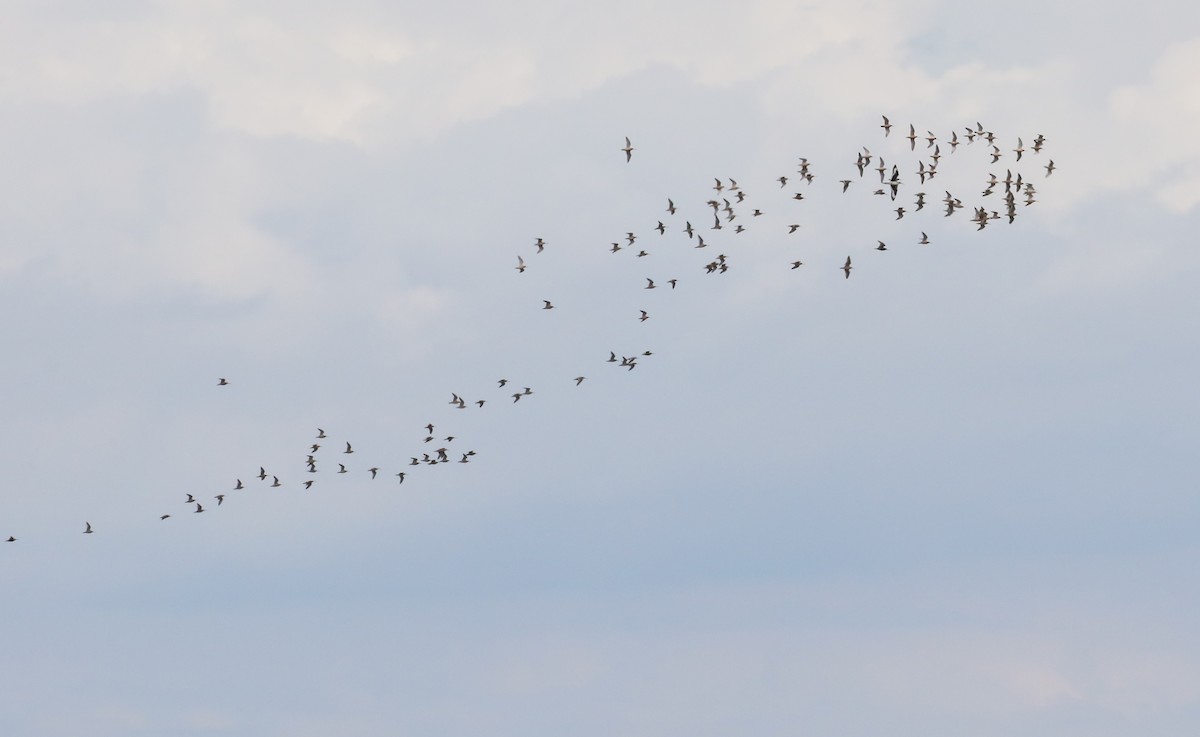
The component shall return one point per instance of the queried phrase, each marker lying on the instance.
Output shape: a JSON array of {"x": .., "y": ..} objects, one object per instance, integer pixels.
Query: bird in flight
[
  {"x": 348, "y": 449},
  {"x": 887, "y": 126},
  {"x": 88, "y": 531},
  {"x": 846, "y": 268},
  {"x": 548, "y": 305},
  {"x": 222, "y": 382},
  {"x": 644, "y": 316},
  {"x": 628, "y": 150},
  {"x": 579, "y": 380},
  {"x": 520, "y": 267}
]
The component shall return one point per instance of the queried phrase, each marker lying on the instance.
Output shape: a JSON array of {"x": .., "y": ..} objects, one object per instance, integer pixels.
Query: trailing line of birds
[{"x": 725, "y": 207}]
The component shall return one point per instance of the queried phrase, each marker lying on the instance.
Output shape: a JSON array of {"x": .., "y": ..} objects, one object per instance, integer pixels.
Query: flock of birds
[{"x": 728, "y": 204}]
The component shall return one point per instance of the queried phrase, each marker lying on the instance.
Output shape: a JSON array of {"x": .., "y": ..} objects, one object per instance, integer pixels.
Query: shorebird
[
  {"x": 374, "y": 470},
  {"x": 198, "y": 509},
  {"x": 320, "y": 434},
  {"x": 220, "y": 498},
  {"x": 881, "y": 247},
  {"x": 1050, "y": 168},
  {"x": 342, "y": 468},
  {"x": 222, "y": 382},
  {"x": 887, "y": 126},
  {"x": 672, "y": 282},
  {"x": 628, "y": 150},
  {"x": 348, "y": 449},
  {"x": 190, "y": 499},
  {"x": 308, "y": 484},
  {"x": 846, "y": 268},
  {"x": 548, "y": 305},
  {"x": 644, "y": 316},
  {"x": 88, "y": 531},
  {"x": 12, "y": 539},
  {"x": 401, "y": 475},
  {"x": 520, "y": 267},
  {"x": 845, "y": 185},
  {"x": 541, "y": 245},
  {"x": 579, "y": 380},
  {"x": 782, "y": 182},
  {"x": 793, "y": 228},
  {"x": 670, "y": 206},
  {"x": 662, "y": 229},
  {"x": 924, "y": 239},
  {"x": 239, "y": 485},
  {"x": 649, "y": 283},
  {"x": 796, "y": 264},
  {"x": 912, "y": 137},
  {"x": 275, "y": 481},
  {"x": 262, "y": 473},
  {"x": 163, "y": 516}
]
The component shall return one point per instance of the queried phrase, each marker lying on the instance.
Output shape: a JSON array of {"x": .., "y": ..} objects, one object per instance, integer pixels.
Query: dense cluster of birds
[{"x": 729, "y": 203}]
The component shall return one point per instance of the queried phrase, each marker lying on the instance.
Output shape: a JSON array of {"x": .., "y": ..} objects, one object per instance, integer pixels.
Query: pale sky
[{"x": 953, "y": 494}]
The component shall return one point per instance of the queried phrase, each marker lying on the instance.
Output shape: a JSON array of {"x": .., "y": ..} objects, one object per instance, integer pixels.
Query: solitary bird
[
  {"x": 796, "y": 264},
  {"x": 628, "y": 150},
  {"x": 12, "y": 539},
  {"x": 88, "y": 531},
  {"x": 222, "y": 382},
  {"x": 548, "y": 305}
]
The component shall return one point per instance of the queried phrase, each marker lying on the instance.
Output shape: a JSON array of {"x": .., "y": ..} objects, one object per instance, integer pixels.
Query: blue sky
[{"x": 952, "y": 494}]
